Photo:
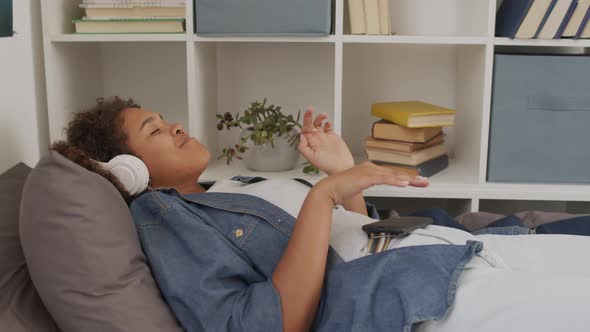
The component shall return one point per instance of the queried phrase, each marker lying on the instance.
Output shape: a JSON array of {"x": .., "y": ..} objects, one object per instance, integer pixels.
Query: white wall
[{"x": 24, "y": 134}]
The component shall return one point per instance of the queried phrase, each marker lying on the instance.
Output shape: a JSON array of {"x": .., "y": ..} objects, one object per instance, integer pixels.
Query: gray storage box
[
  {"x": 263, "y": 17},
  {"x": 540, "y": 119}
]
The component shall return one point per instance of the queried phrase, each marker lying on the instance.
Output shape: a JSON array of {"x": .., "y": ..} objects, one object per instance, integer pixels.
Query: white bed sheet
[
  {"x": 544, "y": 286},
  {"x": 516, "y": 283}
]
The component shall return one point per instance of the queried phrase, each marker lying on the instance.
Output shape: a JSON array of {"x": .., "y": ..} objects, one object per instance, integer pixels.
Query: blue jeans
[{"x": 511, "y": 225}]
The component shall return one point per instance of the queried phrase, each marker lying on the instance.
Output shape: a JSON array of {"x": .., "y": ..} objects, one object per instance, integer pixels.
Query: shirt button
[{"x": 239, "y": 232}]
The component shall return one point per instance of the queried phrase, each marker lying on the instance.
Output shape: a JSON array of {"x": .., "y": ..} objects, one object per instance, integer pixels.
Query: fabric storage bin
[
  {"x": 263, "y": 17},
  {"x": 540, "y": 119}
]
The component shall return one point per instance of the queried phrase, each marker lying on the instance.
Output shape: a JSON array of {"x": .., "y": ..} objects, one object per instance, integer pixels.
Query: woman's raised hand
[
  {"x": 348, "y": 183},
  {"x": 321, "y": 146}
]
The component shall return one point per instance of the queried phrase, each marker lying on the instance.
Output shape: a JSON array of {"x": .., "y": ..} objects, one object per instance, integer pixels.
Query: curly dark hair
[{"x": 97, "y": 134}]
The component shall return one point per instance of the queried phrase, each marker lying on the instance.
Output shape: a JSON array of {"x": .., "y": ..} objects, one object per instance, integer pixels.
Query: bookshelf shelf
[
  {"x": 380, "y": 72},
  {"x": 442, "y": 52},
  {"x": 433, "y": 40},
  {"x": 535, "y": 192},
  {"x": 502, "y": 192},
  {"x": 446, "y": 191},
  {"x": 460, "y": 172},
  {"x": 264, "y": 39},
  {"x": 74, "y": 38},
  {"x": 500, "y": 41}
]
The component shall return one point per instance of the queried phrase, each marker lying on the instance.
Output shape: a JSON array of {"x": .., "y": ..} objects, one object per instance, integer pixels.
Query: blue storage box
[
  {"x": 263, "y": 17},
  {"x": 540, "y": 119}
]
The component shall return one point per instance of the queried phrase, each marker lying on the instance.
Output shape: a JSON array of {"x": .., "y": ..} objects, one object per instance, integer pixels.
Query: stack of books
[
  {"x": 131, "y": 16},
  {"x": 543, "y": 19},
  {"x": 409, "y": 137},
  {"x": 369, "y": 17}
]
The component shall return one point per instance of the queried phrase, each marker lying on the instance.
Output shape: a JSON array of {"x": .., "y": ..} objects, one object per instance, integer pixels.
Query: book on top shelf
[
  {"x": 557, "y": 20},
  {"x": 388, "y": 130},
  {"x": 117, "y": 26},
  {"x": 510, "y": 16},
  {"x": 144, "y": 3},
  {"x": 401, "y": 145},
  {"x": 585, "y": 30},
  {"x": 533, "y": 19},
  {"x": 414, "y": 114},
  {"x": 384, "y": 18},
  {"x": 583, "y": 25},
  {"x": 133, "y": 11},
  {"x": 427, "y": 168},
  {"x": 356, "y": 15},
  {"x": 577, "y": 19},
  {"x": 545, "y": 18},
  {"x": 372, "y": 17},
  {"x": 406, "y": 158}
]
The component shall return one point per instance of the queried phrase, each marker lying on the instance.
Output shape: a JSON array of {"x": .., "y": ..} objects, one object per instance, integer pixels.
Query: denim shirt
[{"x": 213, "y": 254}]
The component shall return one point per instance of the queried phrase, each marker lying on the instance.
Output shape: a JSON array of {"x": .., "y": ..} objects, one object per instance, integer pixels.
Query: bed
[{"x": 102, "y": 282}]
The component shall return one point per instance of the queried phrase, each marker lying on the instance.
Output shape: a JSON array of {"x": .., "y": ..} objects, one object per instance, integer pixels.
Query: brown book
[
  {"x": 402, "y": 146},
  {"x": 384, "y": 129},
  {"x": 406, "y": 158},
  {"x": 408, "y": 170},
  {"x": 427, "y": 168}
]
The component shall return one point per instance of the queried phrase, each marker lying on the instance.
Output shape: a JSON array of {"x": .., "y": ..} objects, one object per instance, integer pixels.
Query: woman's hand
[
  {"x": 321, "y": 146},
  {"x": 363, "y": 176}
]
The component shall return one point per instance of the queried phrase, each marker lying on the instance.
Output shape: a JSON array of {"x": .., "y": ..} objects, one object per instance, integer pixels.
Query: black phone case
[{"x": 397, "y": 225}]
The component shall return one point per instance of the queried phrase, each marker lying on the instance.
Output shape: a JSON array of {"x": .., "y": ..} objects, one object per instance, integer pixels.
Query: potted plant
[{"x": 269, "y": 138}]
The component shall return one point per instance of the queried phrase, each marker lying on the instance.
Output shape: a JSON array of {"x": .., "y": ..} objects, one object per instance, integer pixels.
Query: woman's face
[{"x": 173, "y": 158}]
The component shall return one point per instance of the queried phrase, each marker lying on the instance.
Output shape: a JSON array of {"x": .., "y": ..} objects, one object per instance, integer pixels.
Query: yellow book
[{"x": 414, "y": 114}]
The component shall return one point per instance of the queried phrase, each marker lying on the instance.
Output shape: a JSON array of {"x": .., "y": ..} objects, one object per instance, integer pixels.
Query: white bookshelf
[{"x": 442, "y": 52}]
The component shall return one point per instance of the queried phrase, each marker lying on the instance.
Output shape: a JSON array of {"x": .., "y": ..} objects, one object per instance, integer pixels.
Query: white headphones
[{"x": 131, "y": 172}]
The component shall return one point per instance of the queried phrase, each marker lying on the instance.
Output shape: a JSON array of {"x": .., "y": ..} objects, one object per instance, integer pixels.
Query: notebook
[
  {"x": 411, "y": 158},
  {"x": 558, "y": 19},
  {"x": 427, "y": 168},
  {"x": 163, "y": 25},
  {"x": 576, "y": 20},
  {"x": 533, "y": 19},
  {"x": 510, "y": 15},
  {"x": 414, "y": 114}
]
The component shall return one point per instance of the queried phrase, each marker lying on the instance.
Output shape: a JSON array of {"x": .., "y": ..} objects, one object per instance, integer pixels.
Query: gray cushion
[
  {"x": 83, "y": 252},
  {"x": 21, "y": 308},
  {"x": 474, "y": 221}
]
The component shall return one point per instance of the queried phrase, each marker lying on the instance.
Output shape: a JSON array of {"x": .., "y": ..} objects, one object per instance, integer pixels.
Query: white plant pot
[{"x": 265, "y": 158}]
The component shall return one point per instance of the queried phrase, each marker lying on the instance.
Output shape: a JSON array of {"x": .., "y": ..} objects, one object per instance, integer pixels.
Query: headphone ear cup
[{"x": 131, "y": 172}]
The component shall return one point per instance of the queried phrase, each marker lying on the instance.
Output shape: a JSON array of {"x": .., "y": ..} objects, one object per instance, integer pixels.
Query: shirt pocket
[{"x": 238, "y": 231}]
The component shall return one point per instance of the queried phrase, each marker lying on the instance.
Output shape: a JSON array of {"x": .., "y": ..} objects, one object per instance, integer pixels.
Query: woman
[{"x": 270, "y": 256}]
